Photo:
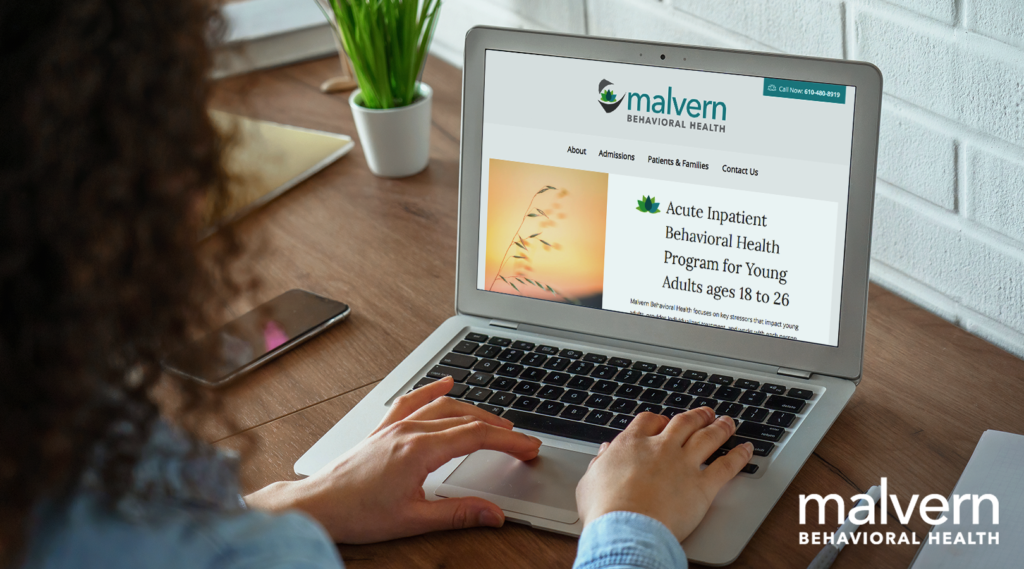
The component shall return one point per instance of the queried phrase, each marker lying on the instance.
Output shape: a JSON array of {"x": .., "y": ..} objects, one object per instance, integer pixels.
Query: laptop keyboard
[{"x": 592, "y": 397}]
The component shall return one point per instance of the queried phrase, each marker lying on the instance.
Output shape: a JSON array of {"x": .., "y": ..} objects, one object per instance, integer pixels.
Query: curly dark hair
[{"x": 107, "y": 155}]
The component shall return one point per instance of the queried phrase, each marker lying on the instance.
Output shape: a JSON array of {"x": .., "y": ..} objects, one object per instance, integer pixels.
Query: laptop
[{"x": 648, "y": 227}]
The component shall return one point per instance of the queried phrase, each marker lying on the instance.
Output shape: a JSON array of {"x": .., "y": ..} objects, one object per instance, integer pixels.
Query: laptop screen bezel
[{"x": 843, "y": 360}]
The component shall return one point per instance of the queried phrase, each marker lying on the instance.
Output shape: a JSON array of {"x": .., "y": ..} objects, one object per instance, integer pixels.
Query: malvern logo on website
[
  {"x": 608, "y": 99},
  {"x": 664, "y": 105}
]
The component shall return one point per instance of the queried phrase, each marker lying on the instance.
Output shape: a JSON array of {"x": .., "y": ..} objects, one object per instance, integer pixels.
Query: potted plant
[{"x": 387, "y": 41}]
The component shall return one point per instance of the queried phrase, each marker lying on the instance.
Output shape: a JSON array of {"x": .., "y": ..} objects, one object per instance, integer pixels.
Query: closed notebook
[{"x": 266, "y": 159}]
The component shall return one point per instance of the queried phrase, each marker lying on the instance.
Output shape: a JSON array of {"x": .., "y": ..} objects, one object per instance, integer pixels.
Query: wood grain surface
[{"x": 387, "y": 247}]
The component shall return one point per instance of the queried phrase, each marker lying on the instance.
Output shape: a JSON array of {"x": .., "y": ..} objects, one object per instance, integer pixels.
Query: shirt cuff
[{"x": 628, "y": 540}]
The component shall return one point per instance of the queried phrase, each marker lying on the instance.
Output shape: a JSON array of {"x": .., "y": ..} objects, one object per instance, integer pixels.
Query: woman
[{"x": 107, "y": 163}]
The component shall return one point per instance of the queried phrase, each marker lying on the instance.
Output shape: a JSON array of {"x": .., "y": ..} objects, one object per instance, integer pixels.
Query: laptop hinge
[
  {"x": 794, "y": 373},
  {"x": 503, "y": 324}
]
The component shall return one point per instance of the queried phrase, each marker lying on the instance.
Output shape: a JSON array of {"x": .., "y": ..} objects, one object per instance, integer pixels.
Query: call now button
[{"x": 787, "y": 89}]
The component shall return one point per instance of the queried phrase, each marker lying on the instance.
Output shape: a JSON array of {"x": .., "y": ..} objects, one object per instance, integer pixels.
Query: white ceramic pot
[{"x": 396, "y": 141}]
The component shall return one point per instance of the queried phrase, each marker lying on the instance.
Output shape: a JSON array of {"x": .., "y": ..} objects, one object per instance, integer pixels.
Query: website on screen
[{"x": 705, "y": 198}]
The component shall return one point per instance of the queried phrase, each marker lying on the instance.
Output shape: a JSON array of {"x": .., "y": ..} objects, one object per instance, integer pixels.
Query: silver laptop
[{"x": 649, "y": 227}]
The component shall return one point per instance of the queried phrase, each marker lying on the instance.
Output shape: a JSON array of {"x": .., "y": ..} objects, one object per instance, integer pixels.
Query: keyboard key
[
  {"x": 697, "y": 375},
  {"x": 571, "y": 354},
  {"x": 480, "y": 379},
  {"x": 458, "y": 360},
  {"x": 424, "y": 381},
  {"x": 788, "y": 404},
  {"x": 488, "y": 351},
  {"x": 503, "y": 384},
  {"x": 621, "y": 421},
  {"x": 704, "y": 402},
  {"x": 701, "y": 389},
  {"x": 747, "y": 384},
  {"x": 598, "y": 417},
  {"x": 750, "y": 468},
  {"x": 801, "y": 393},
  {"x": 474, "y": 337},
  {"x": 488, "y": 366},
  {"x": 604, "y": 372},
  {"x": 680, "y": 400},
  {"x": 550, "y": 407},
  {"x": 441, "y": 372},
  {"x": 575, "y": 397},
  {"x": 503, "y": 398},
  {"x": 511, "y": 355},
  {"x": 458, "y": 390},
  {"x": 726, "y": 393},
  {"x": 670, "y": 371},
  {"x": 557, "y": 364},
  {"x": 557, "y": 378},
  {"x": 595, "y": 358},
  {"x": 561, "y": 427},
  {"x": 465, "y": 347},
  {"x": 652, "y": 380},
  {"x": 534, "y": 359},
  {"x": 526, "y": 388},
  {"x": 760, "y": 431},
  {"x": 773, "y": 388},
  {"x": 580, "y": 367},
  {"x": 629, "y": 376},
  {"x": 503, "y": 342},
  {"x": 526, "y": 403},
  {"x": 645, "y": 366},
  {"x": 720, "y": 379},
  {"x": 550, "y": 392},
  {"x": 598, "y": 401},
  {"x": 511, "y": 370},
  {"x": 492, "y": 409},
  {"x": 677, "y": 384},
  {"x": 630, "y": 391},
  {"x": 623, "y": 406},
  {"x": 580, "y": 382},
  {"x": 533, "y": 374},
  {"x": 620, "y": 362},
  {"x": 648, "y": 408},
  {"x": 547, "y": 350},
  {"x": 672, "y": 411},
  {"x": 754, "y": 398},
  {"x": 524, "y": 346},
  {"x": 604, "y": 387},
  {"x": 479, "y": 394},
  {"x": 575, "y": 412},
  {"x": 761, "y": 448},
  {"x": 755, "y": 414},
  {"x": 781, "y": 419},
  {"x": 731, "y": 409},
  {"x": 653, "y": 396}
]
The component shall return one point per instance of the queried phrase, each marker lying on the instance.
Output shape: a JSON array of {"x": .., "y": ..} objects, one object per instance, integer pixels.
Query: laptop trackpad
[{"x": 544, "y": 487}]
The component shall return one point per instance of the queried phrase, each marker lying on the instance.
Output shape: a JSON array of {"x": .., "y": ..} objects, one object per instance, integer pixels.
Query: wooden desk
[{"x": 387, "y": 247}]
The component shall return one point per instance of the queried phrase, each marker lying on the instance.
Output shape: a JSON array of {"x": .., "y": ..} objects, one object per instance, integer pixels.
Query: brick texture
[{"x": 949, "y": 218}]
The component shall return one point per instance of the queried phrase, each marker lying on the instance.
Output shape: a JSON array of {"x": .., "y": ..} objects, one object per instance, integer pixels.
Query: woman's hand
[
  {"x": 374, "y": 492},
  {"x": 653, "y": 468}
]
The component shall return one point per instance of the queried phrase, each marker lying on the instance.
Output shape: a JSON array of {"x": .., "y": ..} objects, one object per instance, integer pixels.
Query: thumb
[{"x": 460, "y": 513}]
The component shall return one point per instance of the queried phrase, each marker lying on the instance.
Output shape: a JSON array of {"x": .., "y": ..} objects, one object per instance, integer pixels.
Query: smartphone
[{"x": 256, "y": 337}]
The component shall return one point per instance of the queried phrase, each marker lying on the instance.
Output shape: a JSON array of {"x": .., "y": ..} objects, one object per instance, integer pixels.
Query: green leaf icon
[{"x": 647, "y": 204}]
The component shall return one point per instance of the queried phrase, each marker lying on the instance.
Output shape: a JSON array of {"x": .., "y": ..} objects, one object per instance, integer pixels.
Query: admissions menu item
[{"x": 704, "y": 198}]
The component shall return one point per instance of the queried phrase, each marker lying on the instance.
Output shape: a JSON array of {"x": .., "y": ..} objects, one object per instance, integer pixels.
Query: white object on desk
[{"x": 997, "y": 468}]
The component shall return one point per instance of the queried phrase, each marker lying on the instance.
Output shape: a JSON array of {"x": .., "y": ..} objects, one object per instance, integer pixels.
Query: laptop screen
[{"x": 706, "y": 198}]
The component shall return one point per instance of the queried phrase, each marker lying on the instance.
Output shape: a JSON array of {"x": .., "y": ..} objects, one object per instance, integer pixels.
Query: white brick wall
[{"x": 949, "y": 217}]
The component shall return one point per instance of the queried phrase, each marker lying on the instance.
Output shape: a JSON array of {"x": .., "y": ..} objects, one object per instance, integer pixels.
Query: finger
[
  {"x": 457, "y": 513},
  {"x": 410, "y": 402},
  {"x": 707, "y": 440},
  {"x": 465, "y": 439},
  {"x": 413, "y": 426},
  {"x": 646, "y": 424},
  {"x": 726, "y": 468},
  {"x": 681, "y": 427},
  {"x": 447, "y": 407},
  {"x": 600, "y": 450}
]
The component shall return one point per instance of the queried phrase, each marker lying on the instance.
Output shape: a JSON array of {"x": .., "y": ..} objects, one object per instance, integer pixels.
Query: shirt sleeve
[
  {"x": 626, "y": 540},
  {"x": 256, "y": 540}
]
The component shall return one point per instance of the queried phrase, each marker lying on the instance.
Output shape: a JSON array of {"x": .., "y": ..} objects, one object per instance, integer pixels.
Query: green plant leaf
[
  {"x": 520, "y": 245},
  {"x": 535, "y": 234},
  {"x": 545, "y": 242},
  {"x": 502, "y": 278},
  {"x": 531, "y": 215},
  {"x": 513, "y": 285}
]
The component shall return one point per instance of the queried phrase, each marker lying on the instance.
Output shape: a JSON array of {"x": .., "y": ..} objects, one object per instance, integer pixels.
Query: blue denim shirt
[{"x": 192, "y": 516}]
